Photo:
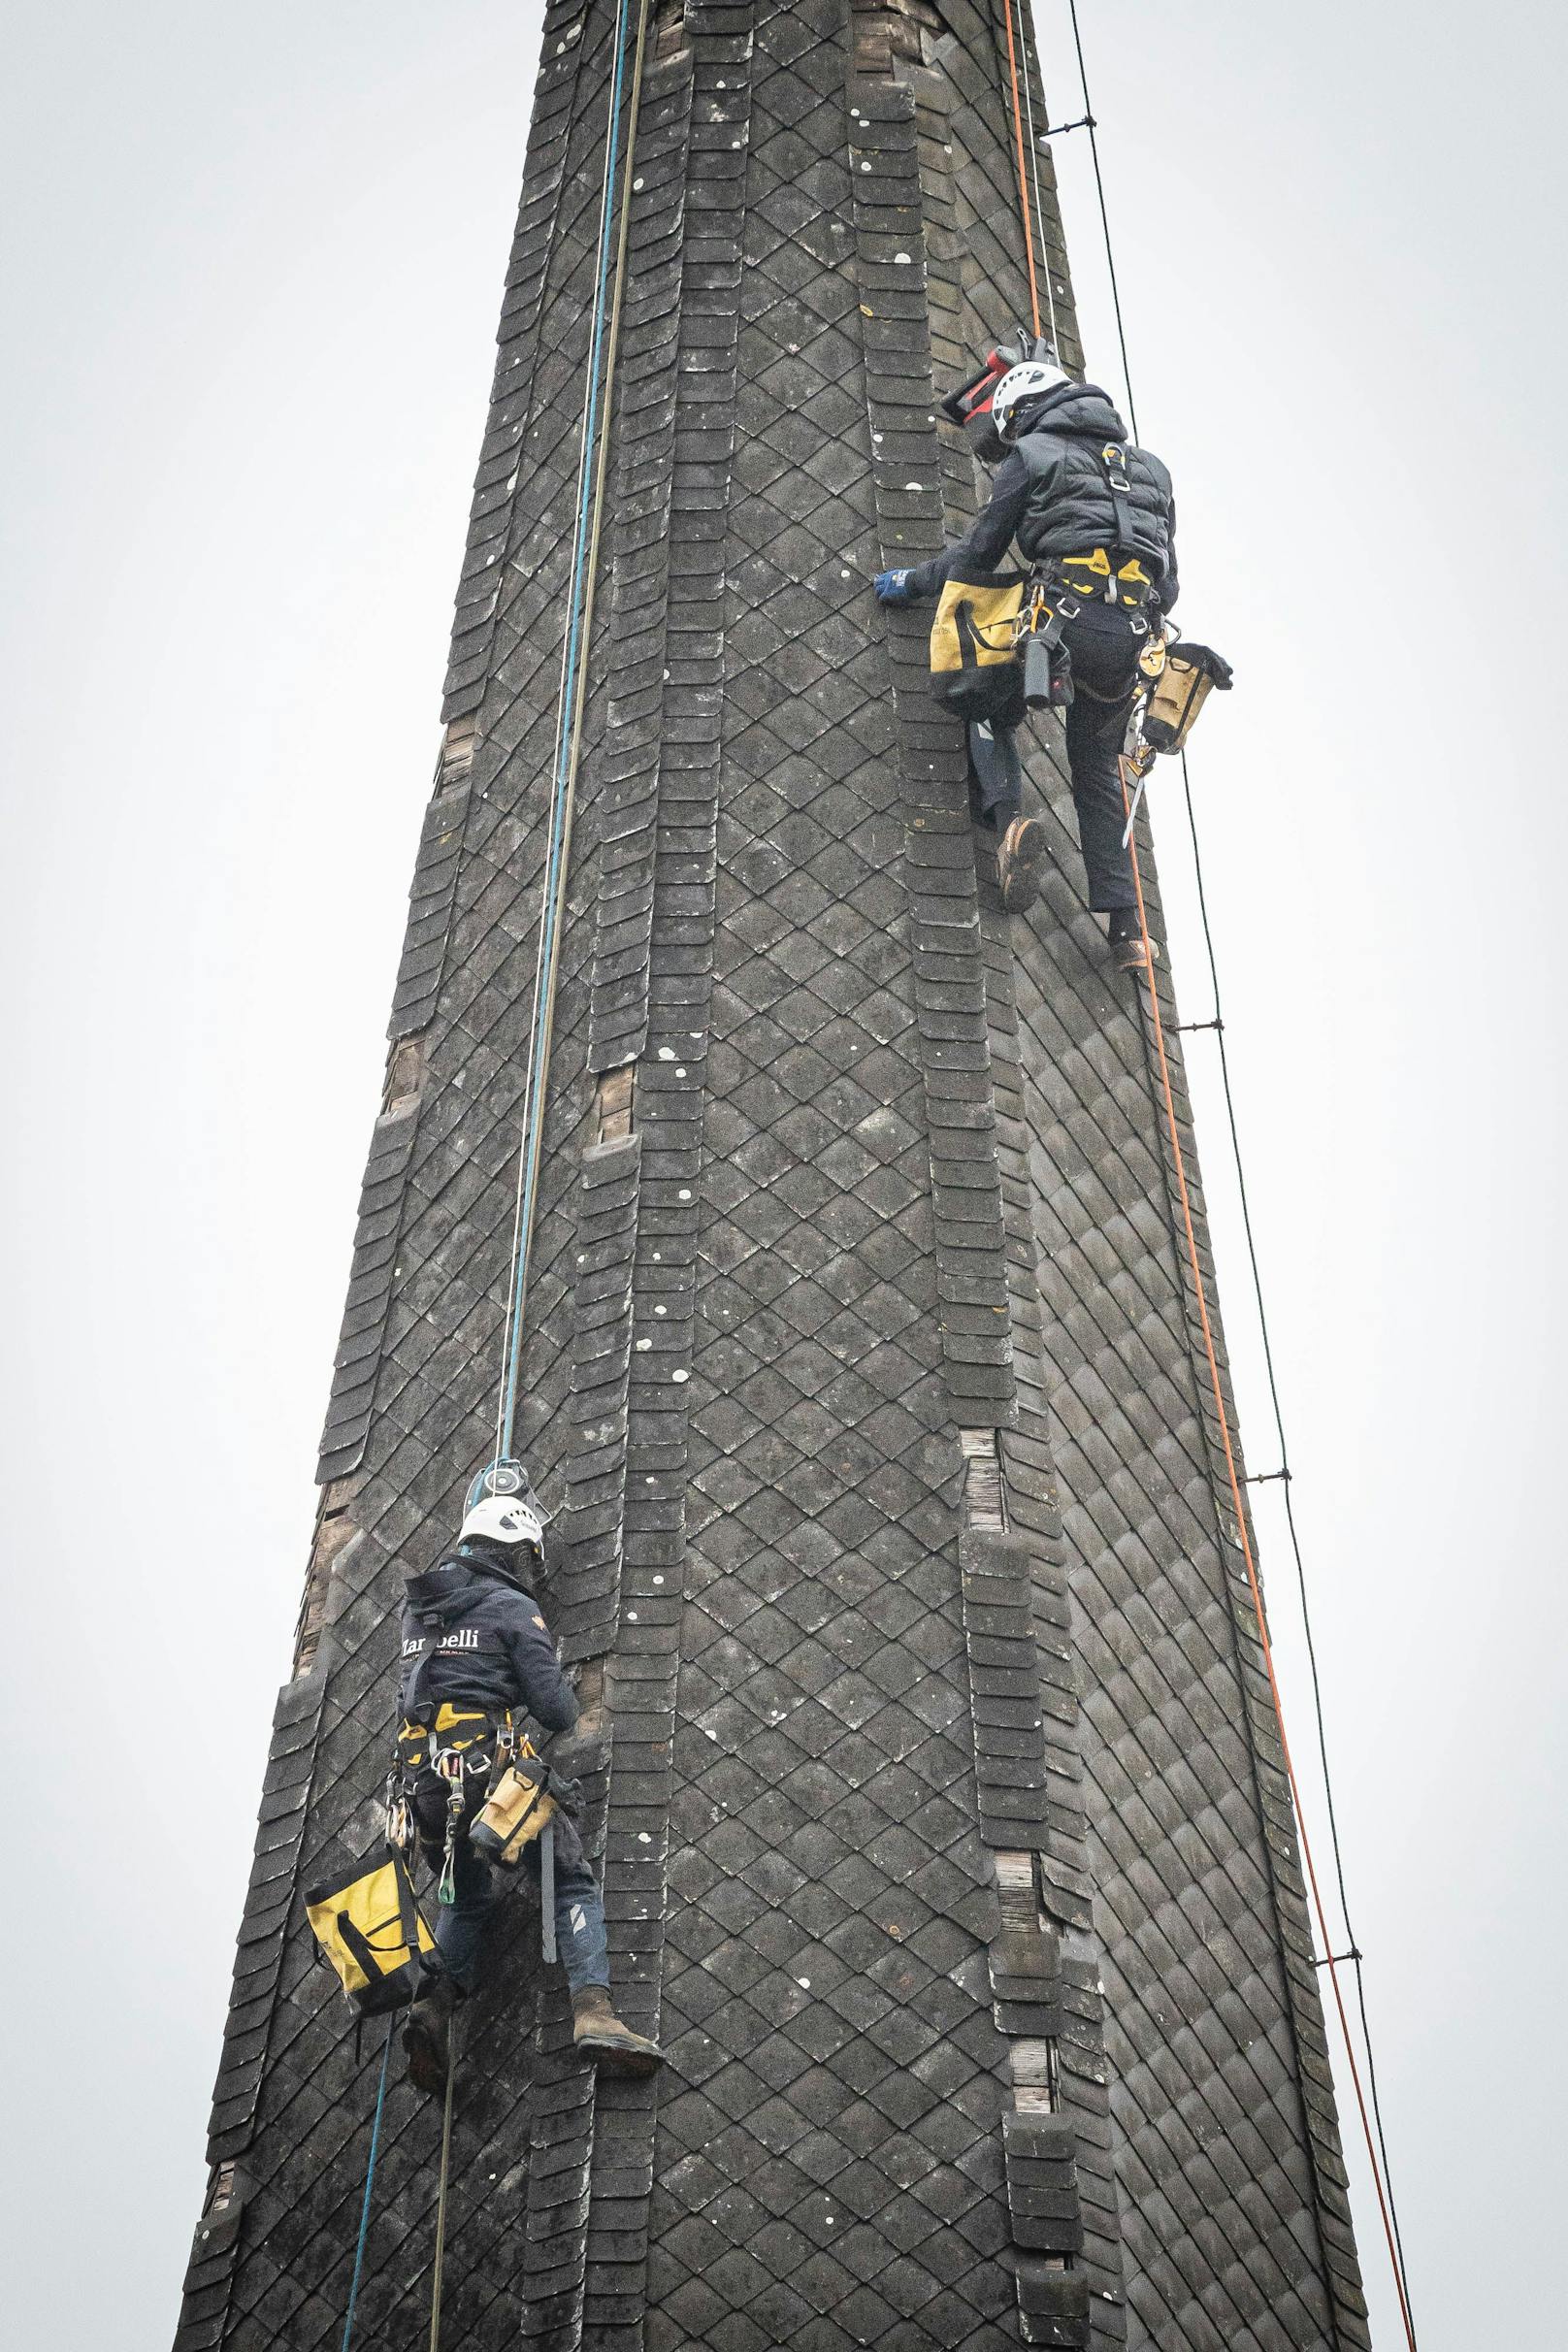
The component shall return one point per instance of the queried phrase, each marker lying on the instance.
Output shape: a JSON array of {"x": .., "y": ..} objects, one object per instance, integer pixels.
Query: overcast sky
[{"x": 253, "y": 261}]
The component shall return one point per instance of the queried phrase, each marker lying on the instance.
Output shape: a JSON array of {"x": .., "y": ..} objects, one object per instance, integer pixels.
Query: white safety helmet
[
  {"x": 504, "y": 1519},
  {"x": 1027, "y": 381}
]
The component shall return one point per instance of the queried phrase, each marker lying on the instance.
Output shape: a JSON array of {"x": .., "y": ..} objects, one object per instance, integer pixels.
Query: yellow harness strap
[{"x": 1092, "y": 576}]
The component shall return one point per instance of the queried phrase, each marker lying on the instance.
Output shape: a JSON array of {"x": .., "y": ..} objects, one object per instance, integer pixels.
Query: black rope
[
  {"x": 1090, "y": 127},
  {"x": 1282, "y": 1476}
]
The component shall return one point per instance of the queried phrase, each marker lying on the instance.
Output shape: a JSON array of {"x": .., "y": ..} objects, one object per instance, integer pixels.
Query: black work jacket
[
  {"x": 1051, "y": 495},
  {"x": 474, "y": 1640}
]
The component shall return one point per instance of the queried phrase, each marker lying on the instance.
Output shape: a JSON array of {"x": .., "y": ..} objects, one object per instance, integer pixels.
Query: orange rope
[
  {"x": 1224, "y": 1419},
  {"x": 1202, "y": 1293},
  {"x": 1023, "y": 182}
]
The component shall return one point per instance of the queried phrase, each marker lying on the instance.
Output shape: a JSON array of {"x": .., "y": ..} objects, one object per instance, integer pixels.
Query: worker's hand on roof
[{"x": 893, "y": 588}]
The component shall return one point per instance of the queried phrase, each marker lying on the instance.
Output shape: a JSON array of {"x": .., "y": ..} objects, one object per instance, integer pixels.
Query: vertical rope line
[
  {"x": 534, "y": 1106},
  {"x": 1383, "y": 2181},
  {"x": 1023, "y": 181},
  {"x": 1040, "y": 207},
  {"x": 536, "y": 1137},
  {"x": 1352, "y": 1939},
  {"x": 438, "y": 2264},
  {"x": 370, "y": 2182},
  {"x": 1221, "y": 1413},
  {"x": 592, "y": 468},
  {"x": 1104, "y": 217},
  {"x": 505, "y": 1386}
]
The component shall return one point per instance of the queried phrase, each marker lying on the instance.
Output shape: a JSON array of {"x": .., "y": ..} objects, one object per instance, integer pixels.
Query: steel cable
[
  {"x": 1378, "y": 2153},
  {"x": 571, "y": 698}
]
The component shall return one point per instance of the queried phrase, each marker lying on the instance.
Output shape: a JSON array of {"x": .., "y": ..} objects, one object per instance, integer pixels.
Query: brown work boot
[
  {"x": 427, "y": 2037},
  {"x": 602, "y": 2038},
  {"x": 1130, "y": 950},
  {"x": 1132, "y": 955},
  {"x": 1018, "y": 854}
]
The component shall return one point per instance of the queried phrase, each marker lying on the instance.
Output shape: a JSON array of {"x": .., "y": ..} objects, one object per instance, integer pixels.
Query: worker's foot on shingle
[
  {"x": 605, "y": 2040},
  {"x": 1130, "y": 950},
  {"x": 1018, "y": 856}
]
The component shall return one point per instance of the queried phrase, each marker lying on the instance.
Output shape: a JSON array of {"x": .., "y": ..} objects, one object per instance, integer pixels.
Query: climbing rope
[
  {"x": 1011, "y": 9},
  {"x": 1033, "y": 230},
  {"x": 1221, "y": 1415},
  {"x": 1284, "y": 1476},
  {"x": 370, "y": 2182},
  {"x": 1375, "y": 2141},
  {"x": 438, "y": 2264},
  {"x": 593, "y": 466},
  {"x": 1092, "y": 128},
  {"x": 571, "y": 695}
]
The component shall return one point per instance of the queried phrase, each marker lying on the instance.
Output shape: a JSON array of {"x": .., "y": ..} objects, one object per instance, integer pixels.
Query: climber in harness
[
  {"x": 477, "y": 1656},
  {"x": 1094, "y": 518}
]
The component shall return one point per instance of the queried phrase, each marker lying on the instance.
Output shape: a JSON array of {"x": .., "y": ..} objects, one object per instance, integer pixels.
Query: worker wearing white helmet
[
  {"x": 1094, "y": 517},
  {"x": 475, "y": 1643}
]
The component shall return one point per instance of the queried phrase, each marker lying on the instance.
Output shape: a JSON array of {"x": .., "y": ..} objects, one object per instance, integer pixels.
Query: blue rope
[
  {"x": 534, "y": 1094},
  {"x": 370, "y": 2182}
]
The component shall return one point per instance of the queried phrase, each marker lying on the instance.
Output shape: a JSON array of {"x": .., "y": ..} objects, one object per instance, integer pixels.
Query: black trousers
[
  {"x": 1104, "y": 648},
  {"x": 580, "y": 1935}
]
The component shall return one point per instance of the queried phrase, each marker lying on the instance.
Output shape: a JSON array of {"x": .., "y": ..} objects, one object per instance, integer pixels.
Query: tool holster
[
  {"x": 1190, "y": 671},
  {"x": 1047, "y": 659}
]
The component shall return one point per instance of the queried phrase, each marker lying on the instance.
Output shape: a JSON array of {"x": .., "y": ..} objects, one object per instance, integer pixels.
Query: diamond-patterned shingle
[{"x": 941, "y": 1820}]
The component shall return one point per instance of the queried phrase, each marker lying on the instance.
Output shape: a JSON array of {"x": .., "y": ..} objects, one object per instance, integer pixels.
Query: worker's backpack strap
[
  {"x": 367, "y": 1926},
  {"x": 974, "y": 665},
  {"x": 1113, "y": 460}
]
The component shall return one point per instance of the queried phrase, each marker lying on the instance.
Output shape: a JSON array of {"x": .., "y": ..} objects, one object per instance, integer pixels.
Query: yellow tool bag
[
  {"x": 369, "y": 1927},
  {"x": 975, "y": 670},
  {"x": 515, "y": 1811},
  {"x": 1182, "y": 690}
]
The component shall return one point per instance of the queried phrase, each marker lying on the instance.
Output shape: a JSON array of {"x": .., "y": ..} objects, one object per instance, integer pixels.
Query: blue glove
[{"x": 893, "y": 588}]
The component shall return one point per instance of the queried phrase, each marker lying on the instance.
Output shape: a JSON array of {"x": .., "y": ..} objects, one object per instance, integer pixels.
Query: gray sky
[{"x": 253, "y": 261}]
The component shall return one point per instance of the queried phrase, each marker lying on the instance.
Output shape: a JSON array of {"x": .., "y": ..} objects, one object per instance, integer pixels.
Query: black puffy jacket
[
  {"x": 1051, "y": 495},
  {"x": 474, "y": 1639}
]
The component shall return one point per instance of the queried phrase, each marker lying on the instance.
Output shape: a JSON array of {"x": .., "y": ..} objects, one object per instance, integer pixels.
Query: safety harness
[
  {"x": 996, "y": 641},
  {"x": 1112, "y": 574},
  {"x": 497, "y": 1790}
]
